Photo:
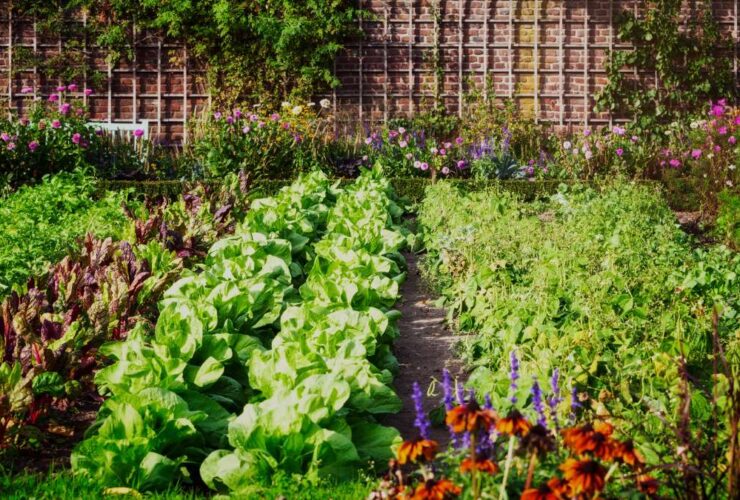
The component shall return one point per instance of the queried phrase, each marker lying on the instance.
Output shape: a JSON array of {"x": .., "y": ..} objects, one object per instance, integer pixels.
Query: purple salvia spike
[
  {"x": 448, "y": 399},
  {"x": 538, "y": 405},
  {"x": 422, "y": 421}
]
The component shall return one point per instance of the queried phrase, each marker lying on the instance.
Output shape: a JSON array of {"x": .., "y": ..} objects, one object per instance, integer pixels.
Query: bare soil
[{"x": 425, "y": 347}]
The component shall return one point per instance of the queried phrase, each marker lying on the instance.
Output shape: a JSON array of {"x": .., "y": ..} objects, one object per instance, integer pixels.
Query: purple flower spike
[
  {"x": 574, "y": 403},
  {"x": 487, "y": 404},
  {"x": 513, "y": 375},
  {"x": 447, "y": 390},
  {"x": 422, "y": 421},
  {"x": 460, "y": 393},
  {"x": 555, "y": 399},
  {"x": 538, "y": 406}
]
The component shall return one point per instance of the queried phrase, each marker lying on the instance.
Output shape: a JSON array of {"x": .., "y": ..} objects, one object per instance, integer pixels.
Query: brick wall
[{"x": 547, "y": 55}]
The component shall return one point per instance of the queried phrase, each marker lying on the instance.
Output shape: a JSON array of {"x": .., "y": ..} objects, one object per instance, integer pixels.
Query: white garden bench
[{"x": 123, "y": 128}]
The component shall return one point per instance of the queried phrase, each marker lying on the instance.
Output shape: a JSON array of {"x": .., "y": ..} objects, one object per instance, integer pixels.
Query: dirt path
[{"x": 425, "y": 347}]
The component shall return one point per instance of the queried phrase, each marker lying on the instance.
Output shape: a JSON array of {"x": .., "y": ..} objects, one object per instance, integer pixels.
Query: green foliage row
[
  {"x": 41, "y": 224},
  {"x": 273, "y": 357},
  {"x": 600, "y": 285}
]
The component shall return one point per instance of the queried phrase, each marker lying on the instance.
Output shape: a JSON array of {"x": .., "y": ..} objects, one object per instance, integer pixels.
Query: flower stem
[
  {"x": 530, "y": 470},
  {"x": 509, "y": 459}
]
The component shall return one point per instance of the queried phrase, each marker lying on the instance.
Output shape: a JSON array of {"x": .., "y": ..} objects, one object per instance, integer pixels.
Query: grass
[{"x": 62, "y": 485}]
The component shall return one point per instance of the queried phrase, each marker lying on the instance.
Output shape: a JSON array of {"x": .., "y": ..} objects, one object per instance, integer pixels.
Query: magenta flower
[
  {"x": 238, "y": 113},
  {"x": 737, "y": 120},
  {"x": 297, "y": 138},
  {"x": 403, "y": 143},
  {"x": 459, "y": 141},
  {"x": 88, "y": 92},
  {"x": 368, "y": 140},
  {"x": 76, "y": 138},
  {"x": 11, "y": 146},
  {"x": 246, "y": 130},
  {"x": 27, "y": 90},
  {"x": 732, "y": 140},
  {"x": 448, "y": 145},
  {"x": 634, "y": 138},
  {"x": 401, "y": 130},
  {"x": 722, "y": 131},
  {"x": 138, "y": 132},
  {"x": 260, "y": 124},
  {"x": 586, "y": 132},
  {"x": 274, "y": 117},
  {"x": 424, "y": 166},
  {"x": 286, "y": 126},
  {"x": 53, "y": 98},
  {"x": 64, "y": 108},
  {"x": 217, "y": 115},
  {"x": 33, "y": 145},
  {"x": 696, "y": 153},
  {"x": 445, "y": 170},
  {"x": 5, "y": 137},
  {"x": 443, "y": 151},
  {"x": 392, "y": 134},
  {"x": 229, "y": 119},
  {"x": 61, "y": 88},
  {"x": 620, "y": 152},
  {"x": 675, "y": 163},
  {"x": 72, "y": 87},
  {"x": 461, "y": 164},
  {"x": 717, "y": 148},
  {"x": 616, "y": 129},
  {"x": 56, "y": 124},
  {"x": 719, "y": 108}
]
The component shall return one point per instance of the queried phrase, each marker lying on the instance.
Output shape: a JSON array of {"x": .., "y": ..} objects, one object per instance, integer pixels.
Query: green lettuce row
[
  {"x": 330, "y": 366},
  {"x": 173, "y": 392}
]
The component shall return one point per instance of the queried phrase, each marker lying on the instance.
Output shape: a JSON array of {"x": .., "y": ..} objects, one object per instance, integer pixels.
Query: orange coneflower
[
  {"x": 480, "y": 464},
  {"x": 647, "y": 485},
  {"x": 555, "y": 489},
  {"x": 410, "y": 451},
  {"x": 593, "y": 439},
  {"x": 584, "y": 476},
  {"x": 441, "y": 489},
  {"x": 470, "y": 417},
  {"x": 626, "y": 452},
  {"x": 514, "y": 424}
]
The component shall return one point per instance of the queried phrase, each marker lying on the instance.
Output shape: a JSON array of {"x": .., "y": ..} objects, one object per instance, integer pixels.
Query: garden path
[{"x": 425, "y": 347}]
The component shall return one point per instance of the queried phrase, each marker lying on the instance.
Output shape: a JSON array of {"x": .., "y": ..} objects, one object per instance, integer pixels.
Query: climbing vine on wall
[
  {"x": 688, "y": 57},
  {"x": 261, "y": 49}
]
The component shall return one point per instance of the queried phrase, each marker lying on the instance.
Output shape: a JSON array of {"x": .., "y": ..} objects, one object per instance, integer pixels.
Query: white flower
[
  {"x": 567, "y": 145},
  {"x": 311, "y": 104},
  {"x": 585, "y": 149},
  {"x": 694, "y": 125},
  {"x": 729, "y": 183},
  {"x": 285, "y": 104},
  {"x": 297, "y": 110},
  {"x": 588, "y": 155},
  {"x": 325, "y": 103},
  {"x": 575, "y": 152},
  {"x": 731, "y": 167}
]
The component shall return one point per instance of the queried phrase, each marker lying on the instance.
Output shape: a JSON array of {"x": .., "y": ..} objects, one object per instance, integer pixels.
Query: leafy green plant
[
  {"x": 728, "y": 218},
  {"x": 685, "y": 55}
]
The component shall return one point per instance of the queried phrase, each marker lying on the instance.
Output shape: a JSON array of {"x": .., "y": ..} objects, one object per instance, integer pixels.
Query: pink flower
[
  {"x": 260, "y": 124},
  {"x": 5, "y": 137},
  {"x": 27, "y": 90},
  {"x": 56, "y": 124},
  {"x": 274, "y": 117},
  {"x": 76, "y": 138},
  {"x": 618, "y": 130},
  {"x": 696, "y": 153},
  {"x": 53, "y": 98},
  {"x": 675, "y": 163},
  {"x": 620, "y": 151},
  {"x": 634, "y": 138},
  {"x": 297, "y": 138},
  {"x": 409, "y": 156},
  {"x": 461, "y": 164},
  {"x": 33, "y": 145},
  {"x": 61, "y": 88},
  {"x": 424, "y": 166},
  {"x": 217, "y": 115},
  {"x": 722, "y": 131},
  {"x": 433, "y": 150},
  {"x": 732, "y": 140},
  {"x": 11, "y": 146},
  {"x": 586, "y": 132},
  {"x": 719, "y": 108},
  {"x": 392, "y": 134},
  {"x": 138, "y": 132},
  {"x": 286, "y": 126},
  {"x": 64, "y": 108},
  {"x": 448, "y": 145},
  {"x": 368, "y": 140},
  {"x": 401, "y": 130},
  {"x": 443, "y": 151},
  {"x": 445, "y": 170},
  {"x": 717, "y": 148},
  {"x": 253, "y": 117},
  {"x": 246, "y": 129},
  {"x": 238, "y": 113},
  {"x": 459, "y": 141},
  {"x": 72, "y": 87},
  {"x": 737, "y": 120},
  {"x": 229, "y": 120},
  {"x": 403, "y": 144},
  {"x": 88, "y": 92}
]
